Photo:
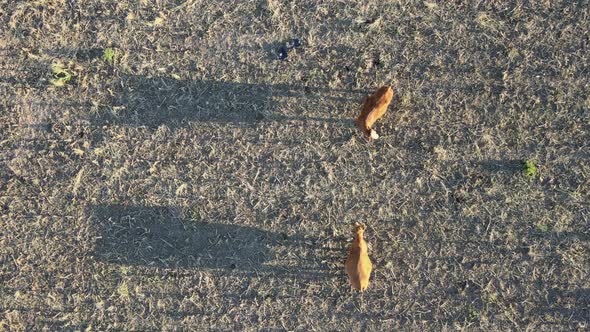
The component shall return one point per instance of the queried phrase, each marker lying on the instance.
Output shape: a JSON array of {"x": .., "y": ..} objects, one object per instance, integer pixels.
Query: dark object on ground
[{"x": 283, "y": 52}]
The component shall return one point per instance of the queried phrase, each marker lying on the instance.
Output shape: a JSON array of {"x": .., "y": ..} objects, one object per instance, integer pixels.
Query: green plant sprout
[
  {"x": 109, "y": 55},
  {"x": 60, "y": 75},
  {"x": 530, "y": 169}
]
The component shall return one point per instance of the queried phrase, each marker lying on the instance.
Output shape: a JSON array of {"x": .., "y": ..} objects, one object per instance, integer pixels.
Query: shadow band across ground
[
  {"x": 155, "y": 237},
  {"x": 152, "y": 101}
]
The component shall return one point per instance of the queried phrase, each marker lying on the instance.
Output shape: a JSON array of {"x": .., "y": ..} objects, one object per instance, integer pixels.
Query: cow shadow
[
  {"x": 152, "y": 101},
  {"x": 157, "y": 237},
  {"x": 112, "y": 97}
]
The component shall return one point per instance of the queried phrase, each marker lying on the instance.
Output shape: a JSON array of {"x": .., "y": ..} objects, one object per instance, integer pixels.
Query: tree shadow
[
  {"x": 161, "y": 100},
  {"x": 157, "y": 237}
]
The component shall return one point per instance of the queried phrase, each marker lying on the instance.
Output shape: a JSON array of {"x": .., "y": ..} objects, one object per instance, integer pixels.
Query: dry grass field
[{"x": 161, "y": 169}]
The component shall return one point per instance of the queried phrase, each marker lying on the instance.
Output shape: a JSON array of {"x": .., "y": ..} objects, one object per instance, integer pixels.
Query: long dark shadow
[
  {"x": 155, "y": 237},
  {"x": 153, "y": 101}
]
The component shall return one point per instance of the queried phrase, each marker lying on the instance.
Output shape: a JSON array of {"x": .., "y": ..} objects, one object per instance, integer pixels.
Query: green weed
[
  {"x": 60, "y": 75},
  {"x": 109, "y": 55},
  {"x": 530, "y": 169}
]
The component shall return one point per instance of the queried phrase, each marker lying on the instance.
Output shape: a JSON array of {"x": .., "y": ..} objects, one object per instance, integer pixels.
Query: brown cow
[
  {"x": 358, "y": 264},
  {"x": 373, "y": 109}
]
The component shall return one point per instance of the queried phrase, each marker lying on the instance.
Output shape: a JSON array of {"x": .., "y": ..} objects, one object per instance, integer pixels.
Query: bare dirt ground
[{"x": 160, "y": 169}]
